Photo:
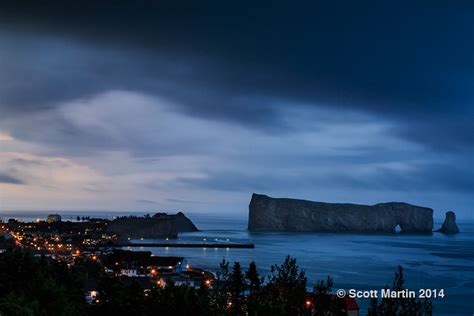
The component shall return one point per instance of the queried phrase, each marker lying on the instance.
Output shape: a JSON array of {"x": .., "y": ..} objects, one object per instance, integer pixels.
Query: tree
[
  {"x": 254, "y": 286},
  {"x": 400, "y": 306},
  {"x": 253, "y": 277},
  {"x": 287, "y": 288},
  {"x": 236, "y": 287},
  {"x": 39, "y": 286},
  {"x": 323, "y": 303},
  {"x": 218, "y": 293}
]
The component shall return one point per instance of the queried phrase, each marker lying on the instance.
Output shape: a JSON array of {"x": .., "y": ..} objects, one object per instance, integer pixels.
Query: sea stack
[
  {"x": 283, "y": 214},
  {"x": 449, "y": 226}
]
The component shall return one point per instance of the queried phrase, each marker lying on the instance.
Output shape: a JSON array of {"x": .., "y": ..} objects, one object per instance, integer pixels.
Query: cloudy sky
[{"x": 142, "y": 105}]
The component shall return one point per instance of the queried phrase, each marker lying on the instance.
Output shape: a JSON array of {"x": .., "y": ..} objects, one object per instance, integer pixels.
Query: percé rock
[
  {"x": 161, "y": 225},
  {"x": 449, "y": 226},
  {"x": 283, "y": 214}
]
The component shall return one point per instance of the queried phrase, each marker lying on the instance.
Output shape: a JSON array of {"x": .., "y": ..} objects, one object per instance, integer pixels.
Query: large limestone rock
[
  {"x": 282, "y": 214},
  {"x": 449, "y": 226}
]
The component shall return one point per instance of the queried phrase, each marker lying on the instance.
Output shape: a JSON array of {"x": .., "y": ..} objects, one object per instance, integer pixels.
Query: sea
[{"x": 354, "y": 261}]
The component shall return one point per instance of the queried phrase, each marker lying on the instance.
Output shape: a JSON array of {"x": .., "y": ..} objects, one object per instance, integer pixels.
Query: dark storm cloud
[
  {"x": 9, "y": 179},
  {"x": 404, "y": 61},
  {"x": 424, "y": 178},
  {"x": 314, "y": 96}
]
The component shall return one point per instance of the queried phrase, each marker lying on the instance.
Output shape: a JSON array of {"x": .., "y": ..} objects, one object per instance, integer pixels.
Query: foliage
[
  {"x": 236, "y": 288},
  {"x": 36, "y": 286},
  {"x": 400, "y": 306},
  {"x": 40, "y": 286}
]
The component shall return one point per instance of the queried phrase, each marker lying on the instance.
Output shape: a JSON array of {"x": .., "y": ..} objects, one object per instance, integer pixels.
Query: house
[
  {"x": 141, "y": 263},
  {"x": 131, "y": 272},
  {"x": 352, "y": 307},
  {"x": 53, "y": 218},
  {"x": 91, "y": 291}
]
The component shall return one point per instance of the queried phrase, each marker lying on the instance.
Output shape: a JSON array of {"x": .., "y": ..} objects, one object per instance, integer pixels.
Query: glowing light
[
  {"x": 207, "y": 282},
  {"x": 308, "y": 303}
]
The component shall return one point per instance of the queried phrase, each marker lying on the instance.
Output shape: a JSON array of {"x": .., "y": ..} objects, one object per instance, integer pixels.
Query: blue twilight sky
[{"x": 151, "y": 105}]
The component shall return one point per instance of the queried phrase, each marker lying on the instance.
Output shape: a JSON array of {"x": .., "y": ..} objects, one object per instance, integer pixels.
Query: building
[
  {"x": 352, "y": 307},
  {"x": 53, "y": 218}
]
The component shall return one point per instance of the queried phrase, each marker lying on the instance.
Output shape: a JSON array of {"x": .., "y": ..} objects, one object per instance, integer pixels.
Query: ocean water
[{"x": 355, "y": 261}]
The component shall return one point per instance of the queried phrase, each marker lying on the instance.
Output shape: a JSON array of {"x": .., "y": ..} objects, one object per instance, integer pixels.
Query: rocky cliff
[
  {"x": 282, "y": 214},
  {"x": 159, "y": 226},
  {"x": 449, "y": 226}
]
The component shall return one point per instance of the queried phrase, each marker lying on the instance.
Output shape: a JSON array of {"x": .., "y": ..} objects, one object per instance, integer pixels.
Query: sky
[{"x": 166, "y": 106}]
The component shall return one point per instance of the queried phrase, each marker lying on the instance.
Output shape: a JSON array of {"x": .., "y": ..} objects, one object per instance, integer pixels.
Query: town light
[{"x": 308, "y": 303}]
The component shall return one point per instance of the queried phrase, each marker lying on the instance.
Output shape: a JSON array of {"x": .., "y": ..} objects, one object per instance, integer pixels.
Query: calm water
[{"x": 354, "y": 261}]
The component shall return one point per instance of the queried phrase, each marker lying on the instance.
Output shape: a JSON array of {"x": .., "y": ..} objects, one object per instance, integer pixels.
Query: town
[{"x": 89, "y": 239}]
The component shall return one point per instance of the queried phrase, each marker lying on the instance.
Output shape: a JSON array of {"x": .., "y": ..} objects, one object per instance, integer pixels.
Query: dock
[{"x": 185, "y": 245}]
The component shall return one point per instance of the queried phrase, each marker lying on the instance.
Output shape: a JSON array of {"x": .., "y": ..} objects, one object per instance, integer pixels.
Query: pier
[{"x": 185, "y": 245}]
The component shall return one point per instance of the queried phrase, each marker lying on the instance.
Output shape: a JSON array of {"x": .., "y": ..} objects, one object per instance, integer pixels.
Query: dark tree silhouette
[
  {"x": 236, "y": 288},
  {"x": 400, "y": 306},
  {"x": 253, "y": 277}
]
